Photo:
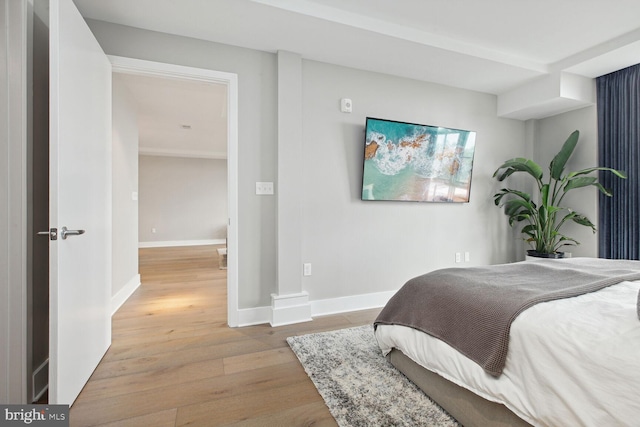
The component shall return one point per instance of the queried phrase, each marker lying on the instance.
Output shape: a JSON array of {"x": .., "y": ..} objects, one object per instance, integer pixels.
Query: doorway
[
  {"x": 136, "y": 67},
  {"x": 37, "y": 376}
]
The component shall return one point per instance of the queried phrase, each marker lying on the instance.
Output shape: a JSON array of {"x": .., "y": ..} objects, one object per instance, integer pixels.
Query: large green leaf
[
  {"x": 553, "y": 209},
  {"x": 521, "y": 194},
  {"x": 513, "y": 206},
  {"x": 504, "y": 174},
  {"x": 542, "y": 216},
  {"x": 560, "y": 160},
  {"x": 518, "y": 218},
  {"x": 504, "y": 191},
  {"x": 565, "y": 241},
  {"x": 582, "y": 181},
  {"x": 544, "y": 194},
  {"x": 518, "y": 164},
  {"x": 583, "y": 220},
  {"x": 618, "y": 173},
  {"x": 603, "y": 190},
  {"x": 497, "y": 198}
]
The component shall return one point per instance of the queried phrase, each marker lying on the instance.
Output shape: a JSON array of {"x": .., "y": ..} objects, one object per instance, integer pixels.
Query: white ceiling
[
  {"x": 492, "y": 46},
  {"x": 179, "y": 117}
]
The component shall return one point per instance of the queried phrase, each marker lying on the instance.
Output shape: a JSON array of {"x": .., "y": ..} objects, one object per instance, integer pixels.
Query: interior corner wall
[
  {"x": 257, "y": 137},
  {"x": 124, "y": 185},
  {"x": 182, "y": 199},
  {"x": 359, "y": 247},
  {"x": 14, "y": 76},
  {"x": 550, "y": 134}
]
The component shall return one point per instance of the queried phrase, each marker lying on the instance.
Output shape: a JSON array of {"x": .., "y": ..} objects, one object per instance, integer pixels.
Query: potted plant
[{"x": 545, "y": 217}]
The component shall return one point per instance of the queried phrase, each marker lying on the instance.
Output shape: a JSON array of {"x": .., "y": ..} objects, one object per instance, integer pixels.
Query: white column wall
[{"x": 290, "y": 304}]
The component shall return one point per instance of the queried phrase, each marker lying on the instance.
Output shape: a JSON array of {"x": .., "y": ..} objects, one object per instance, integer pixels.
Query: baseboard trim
[
  {"x": 290, "y": 308},
  {"x": 254, "y": 316},
  {"x": 171, "y": 243},
  {"x": 123, "y": 294},
  {"x": 262, "y": 315},
  {"x": 338, "y": 305}
]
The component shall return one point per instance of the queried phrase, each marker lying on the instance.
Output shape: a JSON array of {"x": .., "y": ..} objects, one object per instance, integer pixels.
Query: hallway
[{"x": 173, "y": 360}]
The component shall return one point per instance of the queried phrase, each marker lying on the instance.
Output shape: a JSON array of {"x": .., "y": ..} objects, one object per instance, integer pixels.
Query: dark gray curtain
[{"x": 619, "y": 148}]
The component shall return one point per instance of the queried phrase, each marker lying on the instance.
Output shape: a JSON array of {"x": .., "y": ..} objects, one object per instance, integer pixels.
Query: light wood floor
[{"x": 174, "y": 362}]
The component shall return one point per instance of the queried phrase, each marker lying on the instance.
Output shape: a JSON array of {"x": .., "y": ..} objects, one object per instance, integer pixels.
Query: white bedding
[{"x": 571, "y": 362}]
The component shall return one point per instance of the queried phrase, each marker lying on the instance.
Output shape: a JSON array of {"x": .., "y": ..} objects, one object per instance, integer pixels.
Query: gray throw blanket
[{"x": 471, "y": 309}]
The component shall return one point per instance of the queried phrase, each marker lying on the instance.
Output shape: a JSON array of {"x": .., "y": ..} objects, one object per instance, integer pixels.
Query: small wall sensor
[{"x": 346, "y": 105}]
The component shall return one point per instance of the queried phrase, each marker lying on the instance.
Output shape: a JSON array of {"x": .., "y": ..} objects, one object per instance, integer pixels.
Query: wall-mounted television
[{"x": 418, "y": 163}]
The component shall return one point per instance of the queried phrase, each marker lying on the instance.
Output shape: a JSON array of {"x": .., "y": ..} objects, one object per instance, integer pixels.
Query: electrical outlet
[
  {"x": 306, "y": 269},
  {"x": 153, "y": 230},
  {"x": 458, "y": 257},
  {"x": 467, "y": 257}
]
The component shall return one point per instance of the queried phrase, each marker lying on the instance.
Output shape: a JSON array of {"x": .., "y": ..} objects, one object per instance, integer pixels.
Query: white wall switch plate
[
  {"x": 264, "y": 188},
  {"x": 467, "y": 257},
  {"x": 458, "y": 257},
  {"x": 306, "y": 269}
]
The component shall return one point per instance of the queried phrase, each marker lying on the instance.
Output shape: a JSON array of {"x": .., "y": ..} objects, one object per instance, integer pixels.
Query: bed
[{"x": 571, "y": 359}]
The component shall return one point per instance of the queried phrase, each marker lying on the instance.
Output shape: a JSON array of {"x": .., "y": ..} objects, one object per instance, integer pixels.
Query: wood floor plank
[
  {"x": 261, "y": 359},
  {"x": 121, "y": 406},
  {"x": 174, "y": 360},
  {"x": 217, "y": 337},
  {"x": 159, "y": 361},
  {"x": 246, "y": 406},
  {"x": 313, "y": 414},
  {"x": 178, "y": 373},
  {"x": 156, "y": 419}
]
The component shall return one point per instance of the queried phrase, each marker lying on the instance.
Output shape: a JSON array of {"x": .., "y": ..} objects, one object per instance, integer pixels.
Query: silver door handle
[{"x": 64, "y": 232}]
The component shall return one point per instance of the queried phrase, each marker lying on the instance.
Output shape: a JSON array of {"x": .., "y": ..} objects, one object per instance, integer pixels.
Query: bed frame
[{"x": 467, "y": 408}]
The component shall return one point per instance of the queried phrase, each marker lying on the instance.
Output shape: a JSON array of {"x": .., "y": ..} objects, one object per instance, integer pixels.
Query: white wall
[
  {"x": 14, "y": 79},
  {"x": 355, "y": 247},
  {"x": 125, "y": 183},
  {"x": 257, "y": 136},
  {"x": 359, "y": 247},
  {"x": 549, "y": 135},
  {"x": 183, "y": 199}
]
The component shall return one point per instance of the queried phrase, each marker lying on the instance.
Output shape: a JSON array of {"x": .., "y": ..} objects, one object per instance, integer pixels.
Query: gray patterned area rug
[{"x": 360, "y": 387}]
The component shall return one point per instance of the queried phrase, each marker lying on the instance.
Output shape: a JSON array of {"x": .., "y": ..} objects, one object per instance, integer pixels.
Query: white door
[{"x": 80, "y": 199}]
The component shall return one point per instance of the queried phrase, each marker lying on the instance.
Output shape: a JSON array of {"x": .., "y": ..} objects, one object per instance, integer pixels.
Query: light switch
[{"x": 264, "y": 188}]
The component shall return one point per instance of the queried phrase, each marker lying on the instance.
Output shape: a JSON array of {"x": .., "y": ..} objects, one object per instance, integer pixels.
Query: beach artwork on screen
[{"x": 413, "y": 162}]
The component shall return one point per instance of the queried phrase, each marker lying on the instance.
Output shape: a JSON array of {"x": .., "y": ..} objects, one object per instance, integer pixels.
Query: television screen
[{"x": 419, "y": 163}]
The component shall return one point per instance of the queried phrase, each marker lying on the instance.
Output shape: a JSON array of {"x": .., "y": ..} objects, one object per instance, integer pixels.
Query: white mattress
[{"x": 571, "y": 362}]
